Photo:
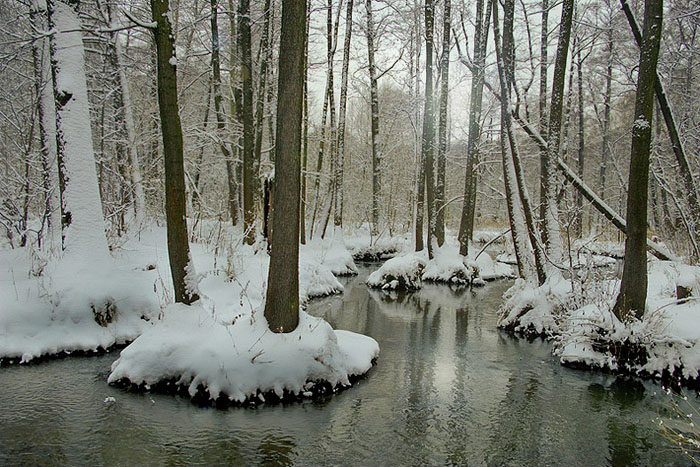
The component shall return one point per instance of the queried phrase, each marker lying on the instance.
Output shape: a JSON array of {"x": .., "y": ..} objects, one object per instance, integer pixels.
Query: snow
[
  {"x": 408, "y": 270},
  {"x": 578, "y": 316},
  {"x": 402, "y": 272},
  {"x": 81, "y": 197},
  {"x": 332, "y": 253},
  {"x": 222, "y": 342},
  {"x": 241, "y": 358}
]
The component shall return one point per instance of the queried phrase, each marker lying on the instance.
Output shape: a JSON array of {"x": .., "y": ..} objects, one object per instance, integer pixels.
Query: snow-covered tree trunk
[
  {"x": 374, "y": 104},
  {"x": 550, "y": 223},
  {"x": 47, "y": 127},
  {"x": 81, "y": 208},
  {"x": 542, "y": 101},
  {"x": 340, "y": 164},
  {"x": 442, "y": 126},
  {"x": 428, "y": 125},
  {"x": 524, "y": 228},
  {"x": 633, "y": 289}
]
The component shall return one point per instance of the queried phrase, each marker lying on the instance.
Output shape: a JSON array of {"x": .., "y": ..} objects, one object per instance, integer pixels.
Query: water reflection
[{"x": 448, "y": 389}]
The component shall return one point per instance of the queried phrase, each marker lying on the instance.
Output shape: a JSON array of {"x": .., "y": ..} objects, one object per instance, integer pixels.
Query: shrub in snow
[{"x": 400, "y": 273}]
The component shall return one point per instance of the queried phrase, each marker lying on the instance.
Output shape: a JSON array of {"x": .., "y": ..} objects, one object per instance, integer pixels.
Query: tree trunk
[
  {"x": 578, "y": 226},
  {"x": 513, "y": 174},
  {"x": 542, "y": 122},
  {"x": 428, "y": 126},
  {"x": 219, "y": 111},
  {"x": 340, "y": 164},
  {"x": 262, "y": 77},
  {"x": 282, "y": 299},
  {"x": 374, "y": 99},
  {"x": 181, "y": 267},
  {"x": 420, "y": 174},
  {"x": 442, "y": 127},
  {"x": 550, "y": 222},
  {"x": 305, "y": 135},
  {"x": 676, "y": 143},
  {"x": 466, "y": 225},
  {"x": 47, "y": 126},
  {"x": 81, "y": 208},
  {"x": 606, "y": 114},
  {"x": 633, "y": 289},
  {"x": 250, "y": 177}
]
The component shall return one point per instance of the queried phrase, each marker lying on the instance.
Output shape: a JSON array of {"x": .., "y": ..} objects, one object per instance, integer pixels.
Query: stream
[{"x": 448, "y": 388}]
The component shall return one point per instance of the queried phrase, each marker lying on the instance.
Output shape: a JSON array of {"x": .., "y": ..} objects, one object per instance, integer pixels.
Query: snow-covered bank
[
  {"x": 407, "y": 271},
  {"x": 71, "y": 306},
  {"x": 236, "y": 358},
  {"x": 578, "y": 317},
  {"x": 51, "y": 308}
]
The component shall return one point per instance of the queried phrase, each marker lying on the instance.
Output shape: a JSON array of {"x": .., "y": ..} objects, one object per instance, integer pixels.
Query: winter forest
[{"x": 371, "y": 232}]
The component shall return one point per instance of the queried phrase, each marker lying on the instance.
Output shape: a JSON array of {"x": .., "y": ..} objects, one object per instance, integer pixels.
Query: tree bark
[
  {"x": 218, "y": 110},
  {"x": 631, "y": 300},
  {"x": 249, "y": 174},
  {"x": 466, "y": 225},
  {"x": 428, "y": 126},
  {"x": 676, "y": 143},
  {"x": 178, "y": 248},
  {"x": 282, "y": 299},
  {"x": 340, "y": 164},
  {"x": 442, "y": 127},
  {"x": 374, "y": 103},
  {"x": 550, "y": 222},
  {"x": 47, "y": 126}
]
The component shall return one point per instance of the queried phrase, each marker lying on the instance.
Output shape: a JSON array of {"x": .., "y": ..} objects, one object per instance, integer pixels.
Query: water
[{"x": 448, "y": 389}]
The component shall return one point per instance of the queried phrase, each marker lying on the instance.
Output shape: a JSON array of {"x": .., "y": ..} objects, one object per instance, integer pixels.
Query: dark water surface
[{"x": 448, "y": 389}]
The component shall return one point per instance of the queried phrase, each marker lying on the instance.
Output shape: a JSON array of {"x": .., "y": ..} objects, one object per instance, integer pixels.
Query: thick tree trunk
[
  {"x": 181, "y": 266},
  {"x": 676, "y": 143},
  {"x": 282, "y": 299},
  {"x": 374, "y": 103},
  {"x": 250, "y": 177},
  {"x": 340, "y": 164},
  {"x": 420, "y": 175},
  {"x": 81, "y": 208},
  {"x": 442, "y": 127},
  {"x": 631, "y": 300}
]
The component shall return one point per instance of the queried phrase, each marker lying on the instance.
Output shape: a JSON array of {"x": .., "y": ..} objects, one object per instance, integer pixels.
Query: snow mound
[
  {"x": 449, "y": 266},
  {"x": 242, "y": 360},
  {"x": 399, "y": 273},
  {"x": 70, "y": 306},
  {"x": 332, "y": 253}
]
